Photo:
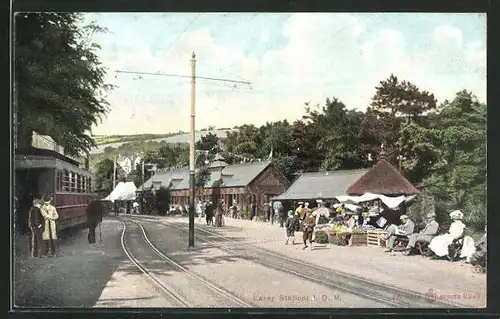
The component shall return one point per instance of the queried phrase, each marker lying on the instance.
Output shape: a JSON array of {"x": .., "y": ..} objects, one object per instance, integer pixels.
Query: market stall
[{"x": 375, "y": 200}]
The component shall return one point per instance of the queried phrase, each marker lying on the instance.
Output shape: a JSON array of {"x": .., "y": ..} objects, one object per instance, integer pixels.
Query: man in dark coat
[
  {"x": 209, "y": 214},
  {"x": 36, "y": 224},
  {"x": 308, "y": 229},
  {"x": 278, "y": 209},
  {"x": 291, "y": 224},
  {"x": 95, "y": 212},
  {"x": 116, "y": 207}
]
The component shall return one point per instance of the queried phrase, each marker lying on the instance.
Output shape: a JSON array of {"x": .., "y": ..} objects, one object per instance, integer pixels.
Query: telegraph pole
[
  {"x": 192, "y": 138},
  {"x": 114, "y": 172},
  {"x": 191, "y": 152}
]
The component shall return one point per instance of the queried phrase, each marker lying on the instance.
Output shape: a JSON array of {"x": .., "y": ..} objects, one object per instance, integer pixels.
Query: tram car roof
[
  {"x": 46, "y": 153},
  {"x": 33, "y": 157}
]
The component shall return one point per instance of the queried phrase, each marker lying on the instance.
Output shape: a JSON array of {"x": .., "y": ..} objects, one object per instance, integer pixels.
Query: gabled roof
[
  {"x": 324, "y": 185},
  {"x": 383, "y": 178},
  {"x": 236, "y": 175}
]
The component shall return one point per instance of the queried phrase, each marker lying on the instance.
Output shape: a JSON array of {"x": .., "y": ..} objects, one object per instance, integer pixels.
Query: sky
[{"x": 289, "y": 59}]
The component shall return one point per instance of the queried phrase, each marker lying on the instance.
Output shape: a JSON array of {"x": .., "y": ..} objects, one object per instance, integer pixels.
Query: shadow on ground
[
  {"x": 75, "y": 277},
  {"x": 173, "y": 243}
]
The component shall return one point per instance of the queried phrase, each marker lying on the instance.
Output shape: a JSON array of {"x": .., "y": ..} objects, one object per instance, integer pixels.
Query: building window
[{"x": 90, "y": 185}]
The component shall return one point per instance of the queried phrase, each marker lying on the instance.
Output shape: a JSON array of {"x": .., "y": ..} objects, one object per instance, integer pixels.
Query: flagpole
[
  {"x": 114, "y": 172},
  {"x": 142, "y": 175}
]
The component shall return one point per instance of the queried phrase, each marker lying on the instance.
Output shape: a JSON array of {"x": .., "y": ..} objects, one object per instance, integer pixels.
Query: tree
[
  {"x": 458, "y": 179},
  {"x": 275, "y": 137},
  {"x": 338, "y": 129},
  {"x": 162, "y": 196},
  {"x": 394, "y": 102},
  {"x": 418, "y": 151},
  {"x": 305, "y": 137},
  {"x": 202, "y": 177},
  {"x": 168, "y": 156},
  {"x": 59, "y": 80},
  {"x": 104, "y": 177},
  {"x": 208, "y": 143}
]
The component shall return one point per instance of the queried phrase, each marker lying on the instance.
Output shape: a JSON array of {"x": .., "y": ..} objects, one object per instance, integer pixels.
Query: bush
[
  {"x": 420, "y": 207},
  {"x": 321, "y": 237}
]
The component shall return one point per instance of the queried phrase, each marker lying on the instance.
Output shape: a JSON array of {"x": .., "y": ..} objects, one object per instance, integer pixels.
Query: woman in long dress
[
  {"x": 439, "y": 244},
  {"x": 50, "y": 216}
]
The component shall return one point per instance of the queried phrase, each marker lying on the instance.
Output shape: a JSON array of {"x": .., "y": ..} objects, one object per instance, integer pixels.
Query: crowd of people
[
  {"x": 452, "y": 244},
  {"x": 405, "y": 236},
  {"x": 42, "y": 223},
  {"x": 434, "y": 241}
]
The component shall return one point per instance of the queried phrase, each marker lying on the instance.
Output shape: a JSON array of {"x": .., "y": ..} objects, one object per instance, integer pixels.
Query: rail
[
  {"x": 193, "y": 275},
  {"x": 387, "y": 293},
  {"x": 146, "y": 273}
]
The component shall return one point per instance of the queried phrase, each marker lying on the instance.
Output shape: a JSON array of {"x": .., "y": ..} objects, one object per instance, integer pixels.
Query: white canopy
[
  {"x": 123, "y": 191},
  {"x": 391, "y": 202}
]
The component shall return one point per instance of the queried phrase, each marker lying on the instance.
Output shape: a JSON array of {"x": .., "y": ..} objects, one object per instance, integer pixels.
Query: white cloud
[{"x": 324, "y": 55}]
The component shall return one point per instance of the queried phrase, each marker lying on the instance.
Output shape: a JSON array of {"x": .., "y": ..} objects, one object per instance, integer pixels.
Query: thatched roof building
[{"x": 383, "y": 178}]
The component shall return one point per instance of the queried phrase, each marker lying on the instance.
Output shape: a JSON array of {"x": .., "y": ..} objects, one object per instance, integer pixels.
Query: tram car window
[{"x": 45, "y": 172}]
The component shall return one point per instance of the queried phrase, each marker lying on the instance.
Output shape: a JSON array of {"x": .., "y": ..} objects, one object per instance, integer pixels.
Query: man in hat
[
  {"x": 406, "y": 228},
  {"x": 308, "y": 229},
  {"x": 298, "y": 210},
  {"x": 50, "y": 216},
  {"x": 95, "y": 211},
  {"x": 304, "y": 213},
  {"x": 35, "y": 221},
  {"x": 425, "y": 235}
]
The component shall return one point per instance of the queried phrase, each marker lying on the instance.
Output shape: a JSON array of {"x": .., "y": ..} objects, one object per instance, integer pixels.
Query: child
[{"x": 290, "y": 226}]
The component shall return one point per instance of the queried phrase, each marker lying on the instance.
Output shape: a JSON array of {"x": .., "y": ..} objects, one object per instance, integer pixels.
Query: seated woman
[
  {"x": 439, "y": 244},
  {"x": 474, "y": 253}
]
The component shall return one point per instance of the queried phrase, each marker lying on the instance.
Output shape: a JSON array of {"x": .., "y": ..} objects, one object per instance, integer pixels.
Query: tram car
[{"x": 40, "y": 172}]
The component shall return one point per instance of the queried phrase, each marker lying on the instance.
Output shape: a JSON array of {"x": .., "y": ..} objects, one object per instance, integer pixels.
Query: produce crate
[
  {"x": 357, "y": 239},
  {"x": 376, "y": 238},
  {"x": 333, "y": 238}
]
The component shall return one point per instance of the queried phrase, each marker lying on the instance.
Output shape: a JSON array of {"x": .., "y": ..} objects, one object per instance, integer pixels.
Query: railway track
[
  {"x": 169, "y": 292},
  {"x": 385, "y": 294}
]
